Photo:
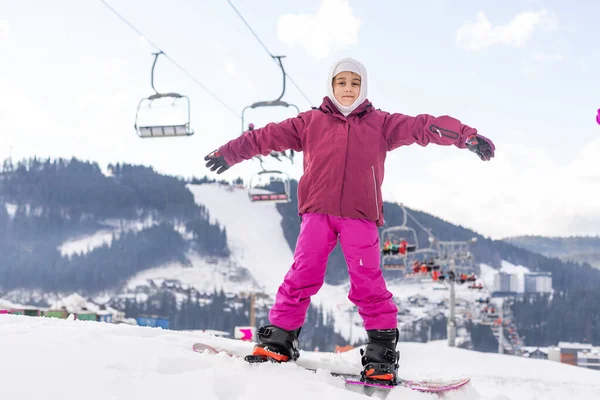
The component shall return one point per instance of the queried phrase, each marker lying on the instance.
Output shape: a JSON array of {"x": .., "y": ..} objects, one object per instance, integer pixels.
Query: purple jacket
[{"x": 344, "y": 156}]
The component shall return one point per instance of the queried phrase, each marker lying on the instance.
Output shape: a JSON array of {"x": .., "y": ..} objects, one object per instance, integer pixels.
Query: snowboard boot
[
  {"x": 380, "y": 358},
  {"x": 277, "y": 345}
]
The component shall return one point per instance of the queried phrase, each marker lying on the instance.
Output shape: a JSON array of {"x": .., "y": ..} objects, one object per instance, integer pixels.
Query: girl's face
[{"x": 346, "y": 87}]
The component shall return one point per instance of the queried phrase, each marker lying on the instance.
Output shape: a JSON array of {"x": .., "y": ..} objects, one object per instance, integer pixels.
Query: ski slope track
[
  {"x": 53, "y": 359},
  {"x": 254, "y": 232}
]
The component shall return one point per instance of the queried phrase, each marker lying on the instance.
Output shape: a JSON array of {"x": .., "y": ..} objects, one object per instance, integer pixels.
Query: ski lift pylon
[
  {"x": 182, "y": 128},
  {"x": 272, "y": 103}
]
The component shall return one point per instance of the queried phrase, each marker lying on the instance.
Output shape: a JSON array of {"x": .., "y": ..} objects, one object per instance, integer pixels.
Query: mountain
[
  {"x": 580, "y": 249},
  {"x": 194, "y": 250},
  {"x": 108, "y": 361}
]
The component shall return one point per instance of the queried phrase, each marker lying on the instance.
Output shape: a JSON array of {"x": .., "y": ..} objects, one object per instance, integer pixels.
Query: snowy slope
[
  {"x": 203, "y": 275},
  {"x": 54, "y": 359},
  {"x": 254, "y": 232},
  {"x": 88, "y": 243}
]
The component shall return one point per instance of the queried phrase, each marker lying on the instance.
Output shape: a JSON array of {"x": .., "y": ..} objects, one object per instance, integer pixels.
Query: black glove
[
  {"x": 481, "y": 146},
  {"x": 216, "y": 162}
]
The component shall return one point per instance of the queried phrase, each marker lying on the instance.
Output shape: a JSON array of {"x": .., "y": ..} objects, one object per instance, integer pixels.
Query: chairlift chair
[
  {"x": 272, "y": 103},
  {"x": 398, "y": 234},
  {"x": 258, "y": 193},
  {"x": 160, "y": 129}
]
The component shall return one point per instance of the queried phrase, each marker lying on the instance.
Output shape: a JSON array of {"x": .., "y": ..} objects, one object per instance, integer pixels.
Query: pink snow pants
[{"x": 360, "y": 244}]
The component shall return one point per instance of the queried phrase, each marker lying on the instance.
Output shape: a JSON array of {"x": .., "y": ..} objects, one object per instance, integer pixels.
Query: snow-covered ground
[
  {"x": 204, "y": 275},
  {"x": 53, "y": 359}
]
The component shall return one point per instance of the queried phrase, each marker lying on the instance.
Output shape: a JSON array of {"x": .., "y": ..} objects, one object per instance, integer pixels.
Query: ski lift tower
[{"x": 449, "y": 253}]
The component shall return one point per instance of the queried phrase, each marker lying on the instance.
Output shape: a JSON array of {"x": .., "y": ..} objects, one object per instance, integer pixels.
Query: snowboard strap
[{"x": 280, "y": 339}]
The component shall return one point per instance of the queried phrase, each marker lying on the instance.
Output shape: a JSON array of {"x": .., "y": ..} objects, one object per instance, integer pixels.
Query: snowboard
[{"x": 353, "y": 382}]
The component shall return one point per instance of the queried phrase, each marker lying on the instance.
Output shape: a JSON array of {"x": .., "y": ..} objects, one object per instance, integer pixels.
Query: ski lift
[
  {"x": 160, "y": 124},
  {"x": 269, "y": 186},
  {"x": 428, "y": 256},
  {"x": 398, "y": 242},
  {"x": 272, "y": 103}
]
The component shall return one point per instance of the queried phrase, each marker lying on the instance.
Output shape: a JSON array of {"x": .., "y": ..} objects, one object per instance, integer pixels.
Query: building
[
  {"x": 153, "y": 321},
  {"x": 538, "y": 282},
  {"x": 506, "y": 283},
  {"x": 589, "y": 359},
  {"x": 567, "y": 353},
  {"x": 536, "y": 352}
]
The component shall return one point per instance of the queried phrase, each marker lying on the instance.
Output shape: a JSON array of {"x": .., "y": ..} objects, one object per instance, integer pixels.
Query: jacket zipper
[
  {"x": 443, "y": 132},
  {"x": 375, "y": 189},
  {"x": 345, "y": 166}
]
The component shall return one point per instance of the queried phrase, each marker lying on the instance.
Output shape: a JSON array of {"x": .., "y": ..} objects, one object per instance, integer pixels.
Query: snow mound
[{"x": 53, "y": 359}]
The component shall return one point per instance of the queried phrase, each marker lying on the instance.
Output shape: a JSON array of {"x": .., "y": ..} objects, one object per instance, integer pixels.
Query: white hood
[{"x": 347, "y": 64}]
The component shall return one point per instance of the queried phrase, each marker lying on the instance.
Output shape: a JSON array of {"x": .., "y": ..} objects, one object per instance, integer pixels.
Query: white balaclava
[{"x": 348, "y": 64}]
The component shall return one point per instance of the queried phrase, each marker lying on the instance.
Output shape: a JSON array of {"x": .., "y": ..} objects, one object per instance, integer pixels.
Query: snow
[
  {"x": 514, "y": 269},
  {"x": 74, "y": 303},
  {"x": 8, "y": 305},
  {"x": 108, "y": 361},
  {"x": 254, "y": 232},
  {"x": 486, "y": 275},
  {"x": 579, "y": 346},
  {"x": 203, "y": 275},
  {"x": 11, "y": 209},
  {"x": 86, "y": 243}
]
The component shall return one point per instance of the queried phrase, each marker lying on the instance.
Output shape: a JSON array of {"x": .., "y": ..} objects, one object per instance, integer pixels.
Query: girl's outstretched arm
[
  {"x": 404, "y": 130},
  {"x": 280, "y": 136}
]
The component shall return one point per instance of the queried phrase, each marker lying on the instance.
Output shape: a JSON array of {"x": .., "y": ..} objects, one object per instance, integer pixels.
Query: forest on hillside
[{"x": 53, "y": 201}]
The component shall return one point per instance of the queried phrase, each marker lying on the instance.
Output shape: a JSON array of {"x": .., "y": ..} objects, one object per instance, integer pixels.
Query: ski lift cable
[
  {"x": 419, "y": 224},
  {"x": 267, "y": 50},
  {"x": 170, "y": 59}
]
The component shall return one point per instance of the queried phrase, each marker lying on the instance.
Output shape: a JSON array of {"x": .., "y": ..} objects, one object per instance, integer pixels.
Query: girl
[{"x": 345, "y": 142}]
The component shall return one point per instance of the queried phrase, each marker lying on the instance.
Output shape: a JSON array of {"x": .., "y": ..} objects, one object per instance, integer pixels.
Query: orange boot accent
[
  {"x": 384, "y": 377},
  {"x": 261, "y": 351}
]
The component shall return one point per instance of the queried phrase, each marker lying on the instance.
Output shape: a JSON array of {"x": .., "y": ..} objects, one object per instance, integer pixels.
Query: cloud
[
  {"x": 333, "y": 27},
  {"x": 548, "y": 57},
  {"x": 482, "y": 34},
  {"x": 3, "y": 31},
  {"x": 230, "y": 69},
  {"x": 523, "y": 190}
]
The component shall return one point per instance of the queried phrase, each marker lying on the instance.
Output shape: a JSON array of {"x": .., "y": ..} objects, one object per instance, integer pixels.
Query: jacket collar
[{"x": 329, "y": 108}]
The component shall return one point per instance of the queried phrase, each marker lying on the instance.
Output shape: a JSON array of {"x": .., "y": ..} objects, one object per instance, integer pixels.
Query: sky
[{"x": 522, "y": 72}]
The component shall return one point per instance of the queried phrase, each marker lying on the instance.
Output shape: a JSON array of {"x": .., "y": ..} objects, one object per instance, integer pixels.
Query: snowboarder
[{"x": 345, "y": 142}]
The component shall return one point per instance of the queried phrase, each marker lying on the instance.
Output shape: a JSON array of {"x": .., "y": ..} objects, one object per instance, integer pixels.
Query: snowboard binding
[
  {"x": 380, "y": 358},
  {"x": 277, "y": 345}
]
